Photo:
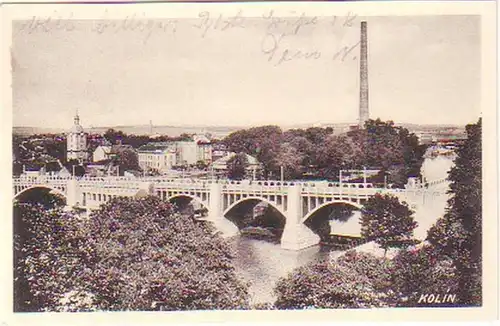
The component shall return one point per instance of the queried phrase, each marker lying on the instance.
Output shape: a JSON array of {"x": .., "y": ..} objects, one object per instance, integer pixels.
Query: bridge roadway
[{"x": 296, "y": 200}]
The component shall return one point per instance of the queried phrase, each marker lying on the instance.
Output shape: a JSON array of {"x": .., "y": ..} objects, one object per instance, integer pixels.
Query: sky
[{"x": 421, "y": 70}]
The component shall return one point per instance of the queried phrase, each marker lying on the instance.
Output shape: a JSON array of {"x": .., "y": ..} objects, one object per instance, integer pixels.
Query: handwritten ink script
[{"x": 282, "y": 39}]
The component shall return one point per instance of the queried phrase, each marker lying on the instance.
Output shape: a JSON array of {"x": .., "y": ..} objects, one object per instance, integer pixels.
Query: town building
[
  {"x": 219, "y": 150},
  {"x": 161, "y": 156},
  {"x": 102, "y": 153},
  {"x": 76, "y": 142},
  {"x": 193, "y": 151},
  {"x": 219, "y": 167}
]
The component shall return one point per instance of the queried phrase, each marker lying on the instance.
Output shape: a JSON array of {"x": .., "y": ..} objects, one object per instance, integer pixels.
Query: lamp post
[{"x": 282, "y": 173}]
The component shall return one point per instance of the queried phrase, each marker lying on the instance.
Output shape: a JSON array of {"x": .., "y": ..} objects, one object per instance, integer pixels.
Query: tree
[
  {"x": 131, "y": 254},
  {"x": 388, "y": 222},
  {"x": 262, "y": 142},
  {"x": 78, "y": 169},
  {"x": 236, "y": 166},
  {"x": 458, "y": 234},
  {"x": 421, "y": 271},
  {"x": 351, "y": 282},
  {"x": 127, "y": 160},
  {"x": 150, "y": 258},
  {"x": 113, "y": 136},
  {"x": 291, "y": 160},
  {"x": 39, "y": 225}
]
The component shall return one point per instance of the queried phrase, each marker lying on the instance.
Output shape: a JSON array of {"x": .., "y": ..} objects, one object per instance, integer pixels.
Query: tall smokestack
[{"x": 364, "y": 114}]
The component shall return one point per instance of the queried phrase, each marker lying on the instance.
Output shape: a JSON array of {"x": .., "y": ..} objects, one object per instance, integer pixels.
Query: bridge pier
[
  {"x": 73, "y": 193},
  {"x": 296, "y": 235},
  {"x": 216, "y": 215}
]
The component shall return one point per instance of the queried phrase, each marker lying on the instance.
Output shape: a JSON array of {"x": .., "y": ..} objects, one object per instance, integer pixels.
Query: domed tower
[{"x": 76, "y": 142}]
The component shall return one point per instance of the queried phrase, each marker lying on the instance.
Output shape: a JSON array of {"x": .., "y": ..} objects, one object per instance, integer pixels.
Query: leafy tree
[
  {"x": 35, "y": 219},
  {"x": 113, "y": 136},
  {"x": 387, "y": 221},
  {"x": 458, "y": 234},
  {"x": 127, "y": 160},
  {"x": 236, "y": 166},
  {"x": 349, "y": 283},
  {"x": 131, "y": 254},
  {"x": 291, "y": 160},
  {"x": 262, "y": 142},
  {"x": 201, "y": 165},
  {"x": 150, "y": 258},
  {"x": 79, "y": 170},
  {"x": 421, "y": 271}
]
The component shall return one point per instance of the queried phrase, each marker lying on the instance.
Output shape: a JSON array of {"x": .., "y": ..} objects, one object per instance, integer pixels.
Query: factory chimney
[{"x": 364, "y": 114}]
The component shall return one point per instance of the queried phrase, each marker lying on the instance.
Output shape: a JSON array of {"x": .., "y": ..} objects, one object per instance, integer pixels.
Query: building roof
[
  {"x": 222, "y": 162},
  {"x": 116, "y": 149},
  {"x": 157, "y": 147},
  {"x": 76, "y": 129},
  {"x": 201, "y": 139}
]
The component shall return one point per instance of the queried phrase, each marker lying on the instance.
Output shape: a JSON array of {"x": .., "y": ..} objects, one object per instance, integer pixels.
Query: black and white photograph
[{"x": 241, "y": 158}]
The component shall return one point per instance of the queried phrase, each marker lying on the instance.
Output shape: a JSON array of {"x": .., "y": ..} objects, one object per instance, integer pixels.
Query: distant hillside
[{"x": 216, "y": 131}]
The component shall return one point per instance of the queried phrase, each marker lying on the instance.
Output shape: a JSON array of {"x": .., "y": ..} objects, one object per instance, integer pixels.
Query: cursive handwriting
[
  {"x": 134, "y": 23},
  {"x": 275, "y": 43},
  {"x": 291, "y": 26},
  {"x": 272, "y": 47},
  {"x": 346, "y": 21},
  {"x": 345, "y": 51},
  {"x": 48, "y": 24},
  {"x": 220, "y": 23}
]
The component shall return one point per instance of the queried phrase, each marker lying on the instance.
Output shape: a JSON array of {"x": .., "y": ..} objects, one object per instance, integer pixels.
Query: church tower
[{"x": 76, "y": 142}]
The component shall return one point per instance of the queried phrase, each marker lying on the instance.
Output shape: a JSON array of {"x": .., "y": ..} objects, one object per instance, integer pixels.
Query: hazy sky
[{"x": 421, "y": 70}]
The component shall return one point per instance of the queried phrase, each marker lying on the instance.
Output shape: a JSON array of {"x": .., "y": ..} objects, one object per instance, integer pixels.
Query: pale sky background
[{"x": 421, "y": 70}]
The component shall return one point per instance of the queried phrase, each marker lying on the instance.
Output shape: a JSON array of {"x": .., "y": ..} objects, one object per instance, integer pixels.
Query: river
[{"x": 262, "y": 263}]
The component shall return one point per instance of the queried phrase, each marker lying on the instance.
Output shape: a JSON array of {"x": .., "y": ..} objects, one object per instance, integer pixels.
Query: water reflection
[{"x": 262, "y": 263}]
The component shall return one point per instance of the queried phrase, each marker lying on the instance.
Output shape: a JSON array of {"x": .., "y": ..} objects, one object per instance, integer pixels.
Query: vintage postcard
[{"x": 249, "y": 161}]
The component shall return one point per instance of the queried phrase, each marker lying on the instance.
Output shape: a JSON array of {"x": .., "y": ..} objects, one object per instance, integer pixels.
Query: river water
[{"x": 262, "y": 263}]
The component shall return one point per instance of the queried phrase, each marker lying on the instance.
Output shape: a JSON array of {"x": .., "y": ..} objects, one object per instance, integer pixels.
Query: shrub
[
  {"x": 132, "y": 254},
  {"x": 417, "y": 272},
  {"x": 350, "y": 282}
]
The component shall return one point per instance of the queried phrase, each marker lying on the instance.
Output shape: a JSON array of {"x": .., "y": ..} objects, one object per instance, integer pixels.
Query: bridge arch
[
  {"x": 236, "y": 203},
  {"x": 52, "y": 189},
  {"x": 335, "y": 202},
  {"x": 195, "y": 198}
]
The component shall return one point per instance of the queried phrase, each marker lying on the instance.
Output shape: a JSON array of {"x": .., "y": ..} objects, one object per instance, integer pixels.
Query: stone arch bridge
[{"x": 297, "y": 201}]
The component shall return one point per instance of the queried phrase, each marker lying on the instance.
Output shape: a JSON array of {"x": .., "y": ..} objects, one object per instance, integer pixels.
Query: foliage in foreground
[
  {"x": 351, "y": 282},
  {"x": 388, "y": 222},
  {"x": 129, "y": 255},
  {"x": 362, "y": 280},
  {"x": 458, "y": 235}
]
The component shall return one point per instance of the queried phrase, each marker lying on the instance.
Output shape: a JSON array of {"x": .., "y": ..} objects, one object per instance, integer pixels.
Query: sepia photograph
[{"x": 244, "y": 158}]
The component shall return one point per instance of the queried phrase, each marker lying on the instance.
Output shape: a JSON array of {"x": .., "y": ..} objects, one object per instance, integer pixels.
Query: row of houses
[{"x": 163, "y": 157}]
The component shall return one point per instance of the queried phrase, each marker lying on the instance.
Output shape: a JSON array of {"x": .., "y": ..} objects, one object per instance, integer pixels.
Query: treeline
[
  {"x": 131, "y": 254},
  {"x": 446, "y": 270},
  {"x": 318, "y": 153},
  {"x": 116, "y": 136}
]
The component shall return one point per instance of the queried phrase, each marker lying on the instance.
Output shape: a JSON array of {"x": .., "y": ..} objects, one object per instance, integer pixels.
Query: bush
[
  {"x": 50, "y": 248},
  {"x": 354, "y": 281},
  {"x": 132, "y": 254},
  {"x": 417, "y": 272}
]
